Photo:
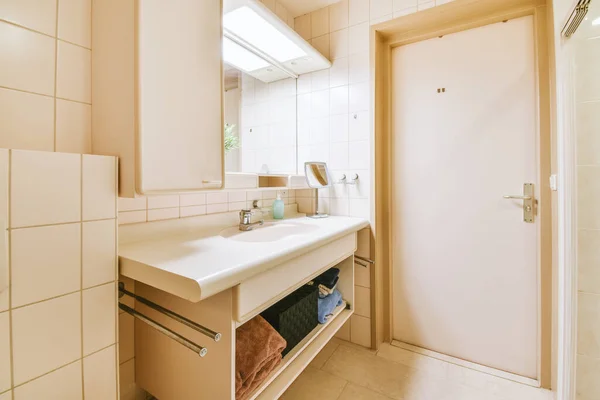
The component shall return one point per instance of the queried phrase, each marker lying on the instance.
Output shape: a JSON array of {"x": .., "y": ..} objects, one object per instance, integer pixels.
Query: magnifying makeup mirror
[{"x": 317, "y": 177}]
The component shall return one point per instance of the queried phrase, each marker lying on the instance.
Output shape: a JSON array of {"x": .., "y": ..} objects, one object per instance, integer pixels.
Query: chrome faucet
[{"x": 245, "y": 218}]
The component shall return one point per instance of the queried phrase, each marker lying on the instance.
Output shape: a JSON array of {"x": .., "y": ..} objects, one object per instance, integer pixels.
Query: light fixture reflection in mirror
[{"x": 317, "y": 177}]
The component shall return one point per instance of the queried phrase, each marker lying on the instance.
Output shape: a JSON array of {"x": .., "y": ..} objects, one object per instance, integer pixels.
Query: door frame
[{"x": 457, "y": 16}]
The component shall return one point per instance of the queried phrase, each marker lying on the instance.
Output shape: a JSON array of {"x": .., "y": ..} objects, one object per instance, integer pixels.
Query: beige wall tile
[
  {"x": 216, "y": 198},
  {"x": 588, "y": 259},
  {"x": 126, "y": 338},
  {"x": 35, "y": 354},
  {"x": 360, "y": 330},
  {"x": 404, "y": 4},
  {"x": 338, "y": 16},
  {"x": 358, "y": 11},
  {"x": 5, "y": 374},
  {"x": 192, "y": 211},
  {"x": 588, "y": 197},
  {"x": 132, "y": 217},
  {"x": 75, "y": 21},
  {"x": 100, "y": 375},
  {"x": 52, "y": 269},
  {"x": 362, "y": 275},
  {"x": 321, "y": 43},
  {"x": 192, "y": 199},
  {"x": 588, "y": 140},
  {"x": 39, "y": 15},
  {"x": 99, "y": 252},
  {"x": 99, "y": 317},
  {"x": 163, "y": 202},
  {"x": 379, "y": 8},
  {"x": 302, "y": 25},
  {"x": 127, "y": 380},
  {"x": 73, "y": 127},
  {"x": 45, "y": 188},
  {"x": 4, "y": 286},
  {"x": 62, "y": 384},
  {"x": 362, "y": 300},
  {"x": 6, "y": 395},
  {"x": 26, "y": 60},
  {"x": 26, "y": 121},
  {"x": 319, "y": 22},
  {"x": 216, "y": 208},
  {"x": 338, "y": 48},
  {"x": 127, "y": 204},
  {"x": 271, "y": 4},
  {"x": 588, "y": 324},
  {"x": 74, "y": 74},
  {"x": 99, "y": 192},
  {"x": 588, "y": 384},
  {"x": 163, "y": 213}
]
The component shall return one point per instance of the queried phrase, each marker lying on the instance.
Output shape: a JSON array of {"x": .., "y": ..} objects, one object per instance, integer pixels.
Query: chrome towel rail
[
  {"x": 179, "y": 318},
  {"x": 368, "y": 260},
  {"x": 201, "y": 351},
  {"x": 362, "y": 264}
]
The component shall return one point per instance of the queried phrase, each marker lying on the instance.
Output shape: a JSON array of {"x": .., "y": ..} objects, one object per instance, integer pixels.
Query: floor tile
[
  {"x": 315, "y": 384},
  {"x": 324, "y": 355},
  {"x": 355, "y": 392}
]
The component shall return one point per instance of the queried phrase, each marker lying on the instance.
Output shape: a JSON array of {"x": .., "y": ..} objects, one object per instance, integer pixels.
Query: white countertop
[{"x": 196, "y": 264}]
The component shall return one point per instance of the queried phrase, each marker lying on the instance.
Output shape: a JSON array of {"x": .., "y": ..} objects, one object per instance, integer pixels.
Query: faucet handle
[{"x": 245, "y": 216}]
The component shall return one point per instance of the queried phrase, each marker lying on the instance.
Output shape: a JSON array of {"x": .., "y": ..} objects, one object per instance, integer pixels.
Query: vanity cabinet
[{"x": 157, "y": 93}]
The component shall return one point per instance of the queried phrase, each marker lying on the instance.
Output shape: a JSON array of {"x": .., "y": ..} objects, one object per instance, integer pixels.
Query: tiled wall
[
  {"x": 58, "y": 269},
  {"x": 154, "y": 208},
  {"x": 45, "y": 75},
  {"x": 587, "y": 59},
  {"x": 268, "y": 126},
  {"x": 334, "y": 114}
]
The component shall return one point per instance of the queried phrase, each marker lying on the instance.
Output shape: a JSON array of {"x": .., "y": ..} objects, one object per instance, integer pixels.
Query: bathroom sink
[{"x": 269, "y": 232}]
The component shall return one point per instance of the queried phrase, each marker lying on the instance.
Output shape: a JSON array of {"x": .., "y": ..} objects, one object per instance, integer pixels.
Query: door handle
[{"x": 529, "y": 202}]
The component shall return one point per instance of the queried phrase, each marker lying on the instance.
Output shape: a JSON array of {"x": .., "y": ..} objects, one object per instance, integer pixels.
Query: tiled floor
[{"x": 343, "y": 371}]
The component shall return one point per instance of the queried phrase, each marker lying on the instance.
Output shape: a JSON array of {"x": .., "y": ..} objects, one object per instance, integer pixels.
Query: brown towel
[{"x": 258, "y": 350}]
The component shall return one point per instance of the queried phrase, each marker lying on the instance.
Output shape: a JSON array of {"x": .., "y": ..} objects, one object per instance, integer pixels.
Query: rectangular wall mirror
[{"x": 260, "y": 124}]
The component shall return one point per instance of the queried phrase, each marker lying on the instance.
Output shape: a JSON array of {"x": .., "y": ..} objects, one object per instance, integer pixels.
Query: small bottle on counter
[{"x": 278, "y": 207}]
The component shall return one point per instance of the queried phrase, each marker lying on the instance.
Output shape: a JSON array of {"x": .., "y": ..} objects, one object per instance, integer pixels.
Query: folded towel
[
  {"x": 328, "y": 278},
  {"x": 258, "y": 349},
  {"x": 328, "y": 304},
  {"x": 324, "y": 291}
]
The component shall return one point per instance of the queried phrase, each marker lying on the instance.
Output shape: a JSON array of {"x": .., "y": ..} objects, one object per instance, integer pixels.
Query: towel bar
[
  {"x": 364, "y": 259},
  {"x": 362, "y": 264},
  {"x": 201, "y": 351},
  {"x": 179, "y": 318}
]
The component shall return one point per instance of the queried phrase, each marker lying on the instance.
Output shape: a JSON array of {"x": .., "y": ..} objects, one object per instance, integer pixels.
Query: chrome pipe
[
  {"x": 179, "y": 318},
  {"x": 201, "y": 351},
  {"x": 368, "y": 260}
]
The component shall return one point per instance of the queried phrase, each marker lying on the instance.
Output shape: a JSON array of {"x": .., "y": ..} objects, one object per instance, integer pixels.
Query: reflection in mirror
[
  {"x": 260, "y": 124},
  {"x": 317, "y": 177}
]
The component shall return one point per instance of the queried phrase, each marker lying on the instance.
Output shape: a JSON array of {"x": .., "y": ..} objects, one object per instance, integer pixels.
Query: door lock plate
[{"x": 529, "y": 203}]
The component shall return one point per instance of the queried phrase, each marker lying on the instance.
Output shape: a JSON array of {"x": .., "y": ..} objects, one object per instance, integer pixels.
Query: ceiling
[{"x": 299, "y": 7}]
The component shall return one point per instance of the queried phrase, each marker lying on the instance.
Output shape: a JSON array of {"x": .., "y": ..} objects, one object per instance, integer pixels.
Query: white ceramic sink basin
[{"x": 269, "y": 232}]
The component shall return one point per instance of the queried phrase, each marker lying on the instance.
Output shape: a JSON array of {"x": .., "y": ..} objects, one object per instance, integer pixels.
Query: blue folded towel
[{"x": 328, "y": 304}]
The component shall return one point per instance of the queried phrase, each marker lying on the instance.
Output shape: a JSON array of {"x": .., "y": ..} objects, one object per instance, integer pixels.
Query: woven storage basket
[{"x": 295, "y": 316}]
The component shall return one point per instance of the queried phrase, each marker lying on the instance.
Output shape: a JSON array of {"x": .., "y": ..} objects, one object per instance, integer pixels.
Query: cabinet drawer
[{"x": 261, "y": 291}]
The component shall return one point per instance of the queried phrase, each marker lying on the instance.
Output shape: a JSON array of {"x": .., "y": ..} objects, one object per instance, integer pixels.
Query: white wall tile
[
  {"x": 359, "y": 97},
  {"x": 338, "y": 156},
  {"x": 304, "y": 83},
  {"x": 52, "y": 269},
  {"x": 75, "y": 21},
  {"x": 425, "y": 6},
  {"x": 358, "y": 11},
  {"x": 405, "y": 11},
  {"x": 358, "y": 155},
  {"x": 339, "y": 44},
  {"x": 192, "y": 211},
  {"x": 358, "y": 65},
  {"x": 38, "y": 15},
  {"x": 588, "y": 384},
  {"x": 63, "y": 384},
  {"x": 35, "y": 354},
  {"x": 99, "y": 317},
  {"x": 163, "y": 213},
  {"x": 588, "y": 197},
  {"x": 358, "y": 126},
  {"x": 588, "y": 139},
  {"x": 128, "y": 204},
  {"x": 4, "y": 284},
  {"x": 379, "y": 8},
  {"x": 320, "y": 80},
  {"x": 216, "y": 198},
  {"x": 319, "y": 130},
  {"x": 362, "y": 189},
  {"x": 46, "y": 188},
  {"x": 198, "y": 199},
  {"x": 338, "y": 15},
  {"x": 99, "y": 252},
  {"x": 588, "y": 326},
  {"x": 339, "y": 100},
  {"x": 99, "y": 192},
  {"x": 404, "y": 4},
  {"x": 217, "y": 208},
  {"x": 27, "y": 121},
  {"x": 132, "y": 217},
  {"x": 359, "y": 208},
  {"x": 338, "y": 130},
  {"x": 5, "y": 369},
  {"x": 320, "y": 104},
  {"x": 26, "y": 60},
  {"x": 100, "y": 375},
  {"x": 74, "y": 73},
  {"x": 358, "y": 38},
  {"x": 588, "y": 259},
  {"x": 382, "y": 19},
  {"x": 163, "y": 201},
  {"x": 320, "y": 22}
]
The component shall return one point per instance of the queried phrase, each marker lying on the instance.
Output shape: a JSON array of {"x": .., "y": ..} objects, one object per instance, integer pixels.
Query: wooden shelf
[{"x": 296, "y": 360}]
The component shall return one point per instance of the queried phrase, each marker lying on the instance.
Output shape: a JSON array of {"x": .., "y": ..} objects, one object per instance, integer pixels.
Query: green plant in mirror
[{"x": 232, "y": 142}]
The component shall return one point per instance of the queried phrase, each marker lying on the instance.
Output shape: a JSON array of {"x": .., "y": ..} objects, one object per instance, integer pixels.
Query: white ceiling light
[
  {"x": 256, "y": 31},
  {"x": 251, "y": 26},
  {"x": 239, "y": 57},
  {"x": 596, "y": 22}
]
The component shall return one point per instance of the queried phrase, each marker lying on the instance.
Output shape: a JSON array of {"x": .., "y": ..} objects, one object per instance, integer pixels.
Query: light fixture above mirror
[{"x": 257, "y": 42}]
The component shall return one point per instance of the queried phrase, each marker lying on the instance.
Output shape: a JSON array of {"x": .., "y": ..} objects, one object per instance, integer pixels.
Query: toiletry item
[{"x": 278, "y": 207}]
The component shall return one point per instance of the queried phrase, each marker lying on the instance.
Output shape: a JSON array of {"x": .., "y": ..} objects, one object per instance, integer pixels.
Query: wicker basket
[{"x": 295, "y": 316}]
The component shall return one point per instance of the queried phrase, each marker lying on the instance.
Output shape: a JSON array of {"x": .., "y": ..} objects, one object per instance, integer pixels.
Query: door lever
[{"x": 529, "y": 202}]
